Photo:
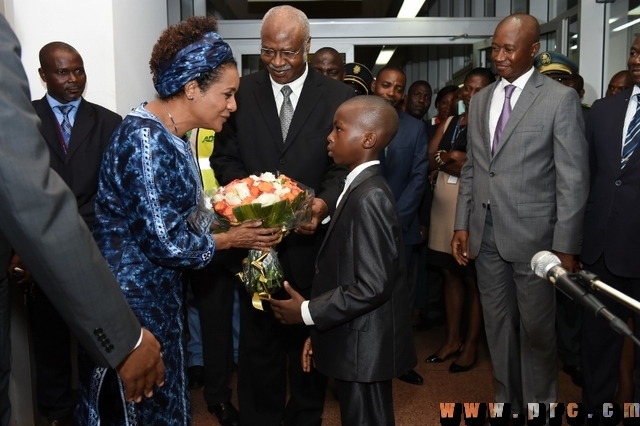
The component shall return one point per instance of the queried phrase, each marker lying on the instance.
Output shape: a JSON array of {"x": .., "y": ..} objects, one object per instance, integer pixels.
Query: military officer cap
[
  {"x": 359, "y": 75},
  {"x": 548, "y": 62}
]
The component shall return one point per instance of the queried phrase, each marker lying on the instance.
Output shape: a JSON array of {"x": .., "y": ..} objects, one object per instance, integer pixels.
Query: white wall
[
  {"x": 114, "y": 38},
  {"x": 138, "y": 25}
]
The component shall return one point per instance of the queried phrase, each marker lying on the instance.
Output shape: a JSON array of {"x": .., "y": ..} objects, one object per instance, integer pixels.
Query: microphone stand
[{"x": 592, "y": 282}]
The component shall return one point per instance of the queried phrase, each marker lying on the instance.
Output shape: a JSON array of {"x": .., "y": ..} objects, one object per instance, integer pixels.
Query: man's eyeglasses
[{"x": 284, "y": 54}]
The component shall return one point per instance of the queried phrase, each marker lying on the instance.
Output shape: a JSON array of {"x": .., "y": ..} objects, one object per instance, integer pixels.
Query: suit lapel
[
  {"x": 529, "y": 94},
  {"x": 267, "y": 105},
  {"x": 364, "y": 175},
  {"x": 309, "y": 97},
  {"x": 486, "y": 131},
  {"x": 49, "y": 127},
  {"x": 84, "y": 122}
]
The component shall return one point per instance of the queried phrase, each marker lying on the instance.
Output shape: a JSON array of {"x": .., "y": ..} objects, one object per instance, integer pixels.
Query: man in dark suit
[
  {"x": 40, "y": 221},
  {"x": 360, "y": 326},
  {"x": 76, "y": 157},
  {"x": 523, "y": 189},
  {"x": 611, "y": 232},
  {"x": 404, "y": 165},
  {"x": 256, "y": 140}
]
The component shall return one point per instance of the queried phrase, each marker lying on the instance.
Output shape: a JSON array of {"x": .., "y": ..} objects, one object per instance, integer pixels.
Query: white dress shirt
[
  {"x": 498, "y": 100},
  {"x": 296, "y": 89},
  {"x": 631, "y": 110}
]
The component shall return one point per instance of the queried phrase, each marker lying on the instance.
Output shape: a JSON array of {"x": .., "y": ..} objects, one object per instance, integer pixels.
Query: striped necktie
[
  {"x": 66, "y": 123},
  {"x": 632, "y": 139}
]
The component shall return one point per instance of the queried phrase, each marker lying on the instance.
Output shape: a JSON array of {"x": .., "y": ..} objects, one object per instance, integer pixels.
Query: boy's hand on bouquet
[
  {"x": 288, "y": 311},
  {"x": 319, "y": 211},
  {"x": 248, "y": 235},
  {"x": 307, "y": 356}
]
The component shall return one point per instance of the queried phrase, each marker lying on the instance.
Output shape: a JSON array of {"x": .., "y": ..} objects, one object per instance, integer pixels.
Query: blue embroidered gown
[{"x": 149, "y": 185}]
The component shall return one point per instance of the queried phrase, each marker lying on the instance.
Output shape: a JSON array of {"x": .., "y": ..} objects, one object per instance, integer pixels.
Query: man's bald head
[
  {"x": 619, "y": 82},
  {"x": 328, "y": 61},
  {"x": 55, "y": 46},
  {"x": 516, "y": 42}
]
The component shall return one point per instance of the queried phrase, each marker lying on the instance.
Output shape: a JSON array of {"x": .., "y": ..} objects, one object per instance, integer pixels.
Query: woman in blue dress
[{"x": 150, "y": 224}]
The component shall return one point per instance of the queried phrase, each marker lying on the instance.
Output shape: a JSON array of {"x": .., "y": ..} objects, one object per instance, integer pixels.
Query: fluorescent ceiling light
[
  {"x": 612, "y": 20},
  {"x": 574, "y": 36},
  {"x": 573, "y": 48},
  {"x": 410, "y": 8},
  {"x": 627, "y": 25},
  {"x": 634, "y": 11},
  {"x": 385, "y": 55}
]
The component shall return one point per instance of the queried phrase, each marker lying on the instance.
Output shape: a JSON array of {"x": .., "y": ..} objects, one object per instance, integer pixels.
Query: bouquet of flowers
[{"x": 278, "y": 201}]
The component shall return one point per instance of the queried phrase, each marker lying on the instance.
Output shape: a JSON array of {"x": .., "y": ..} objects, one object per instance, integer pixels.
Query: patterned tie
[
  {"x": 504, "y": 117},
  {"x": 66, "y": 123},
  {"x": 632, "y": 139},
  {"x": 286, "y": 112}
]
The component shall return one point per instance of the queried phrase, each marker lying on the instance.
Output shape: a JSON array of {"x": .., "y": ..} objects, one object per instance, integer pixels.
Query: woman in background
[
  {"x": 447, "y": 155},
  {"x": 445, "y": 108}
]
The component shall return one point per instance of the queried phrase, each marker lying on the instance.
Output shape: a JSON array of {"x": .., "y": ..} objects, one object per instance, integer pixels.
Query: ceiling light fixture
[
  {"x": 385, "y": 55},
  {"x": 410, "y": 8},
  {"x": 627, "y": 25}
]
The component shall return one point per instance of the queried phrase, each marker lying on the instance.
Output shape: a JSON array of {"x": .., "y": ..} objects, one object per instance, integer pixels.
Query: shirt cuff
[{"x": 306, "y": 315}]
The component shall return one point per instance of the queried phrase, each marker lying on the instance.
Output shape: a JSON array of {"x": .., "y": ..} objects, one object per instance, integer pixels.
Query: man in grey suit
[
  {"x": 523, "y": 189},
  {"x": 39, "y": 219}
]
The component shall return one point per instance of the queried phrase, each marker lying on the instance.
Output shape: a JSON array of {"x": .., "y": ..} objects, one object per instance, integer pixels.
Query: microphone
[{"x": 547, "y": 265}]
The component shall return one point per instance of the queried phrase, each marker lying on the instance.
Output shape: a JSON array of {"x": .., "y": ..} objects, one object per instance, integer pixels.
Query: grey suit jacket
[
  {"x": 360, "y": 293},
  {"x": 39, "y": 219},
  {"x": 538, "y": 180}
]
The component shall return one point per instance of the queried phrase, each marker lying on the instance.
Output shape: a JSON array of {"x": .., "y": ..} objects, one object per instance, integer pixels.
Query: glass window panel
[{"x": 622, "y": 28}]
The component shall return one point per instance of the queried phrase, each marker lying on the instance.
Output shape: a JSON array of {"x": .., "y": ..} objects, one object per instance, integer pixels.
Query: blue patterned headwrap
[{"x": 191, "y": 62}]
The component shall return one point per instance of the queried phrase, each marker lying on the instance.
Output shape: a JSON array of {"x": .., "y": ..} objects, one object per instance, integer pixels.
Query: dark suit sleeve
[
  {"x": 411, "y": 197},
  {"x": 39, "y": 218},
  {"x": 375, "y": 261},
  {"x": 226, "y": 160}
]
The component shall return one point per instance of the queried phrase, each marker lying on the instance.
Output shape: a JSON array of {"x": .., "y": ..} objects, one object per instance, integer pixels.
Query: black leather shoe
[
  {"x": 576, "y": 373},
  {"x": 196, "y": 376},
  {"x": 411, "y": 377},
  {"x": 226, "y": 413}
]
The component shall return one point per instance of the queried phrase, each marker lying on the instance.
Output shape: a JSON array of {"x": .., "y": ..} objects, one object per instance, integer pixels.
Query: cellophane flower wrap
[{"x": 278, "y": 201}]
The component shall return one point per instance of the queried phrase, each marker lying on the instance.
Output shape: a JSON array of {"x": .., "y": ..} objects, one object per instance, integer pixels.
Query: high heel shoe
[
  {"x": 436, "y": 358},
  {"x": 456, "y": 368}
]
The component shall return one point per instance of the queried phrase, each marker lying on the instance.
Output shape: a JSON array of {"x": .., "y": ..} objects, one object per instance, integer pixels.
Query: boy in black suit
[{"x": 360, "y": 327}]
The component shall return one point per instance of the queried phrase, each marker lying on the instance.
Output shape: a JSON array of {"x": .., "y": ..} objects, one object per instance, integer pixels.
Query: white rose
[{"x": 267, "y": 199}]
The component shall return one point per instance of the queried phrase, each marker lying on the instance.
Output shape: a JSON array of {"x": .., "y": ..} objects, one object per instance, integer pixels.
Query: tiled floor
[{"x": 420, "y": 405}]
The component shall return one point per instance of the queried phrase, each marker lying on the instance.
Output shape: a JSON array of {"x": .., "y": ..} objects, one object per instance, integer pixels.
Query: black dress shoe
[
  {"x": 411, "y": 377},
  {"x": 226, "y": 413},
  {"x": 196, "y": 376},
  {"x": 576, "y": 373}
]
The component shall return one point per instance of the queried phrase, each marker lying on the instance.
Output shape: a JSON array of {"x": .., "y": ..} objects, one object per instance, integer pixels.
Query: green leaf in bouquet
[
  {"x": 248, "y": 212},
  {"x": 279, "y": 215}
]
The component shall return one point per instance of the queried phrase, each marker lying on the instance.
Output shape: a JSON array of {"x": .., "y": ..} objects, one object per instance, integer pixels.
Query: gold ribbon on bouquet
[{"x": 257, "y": 264}]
